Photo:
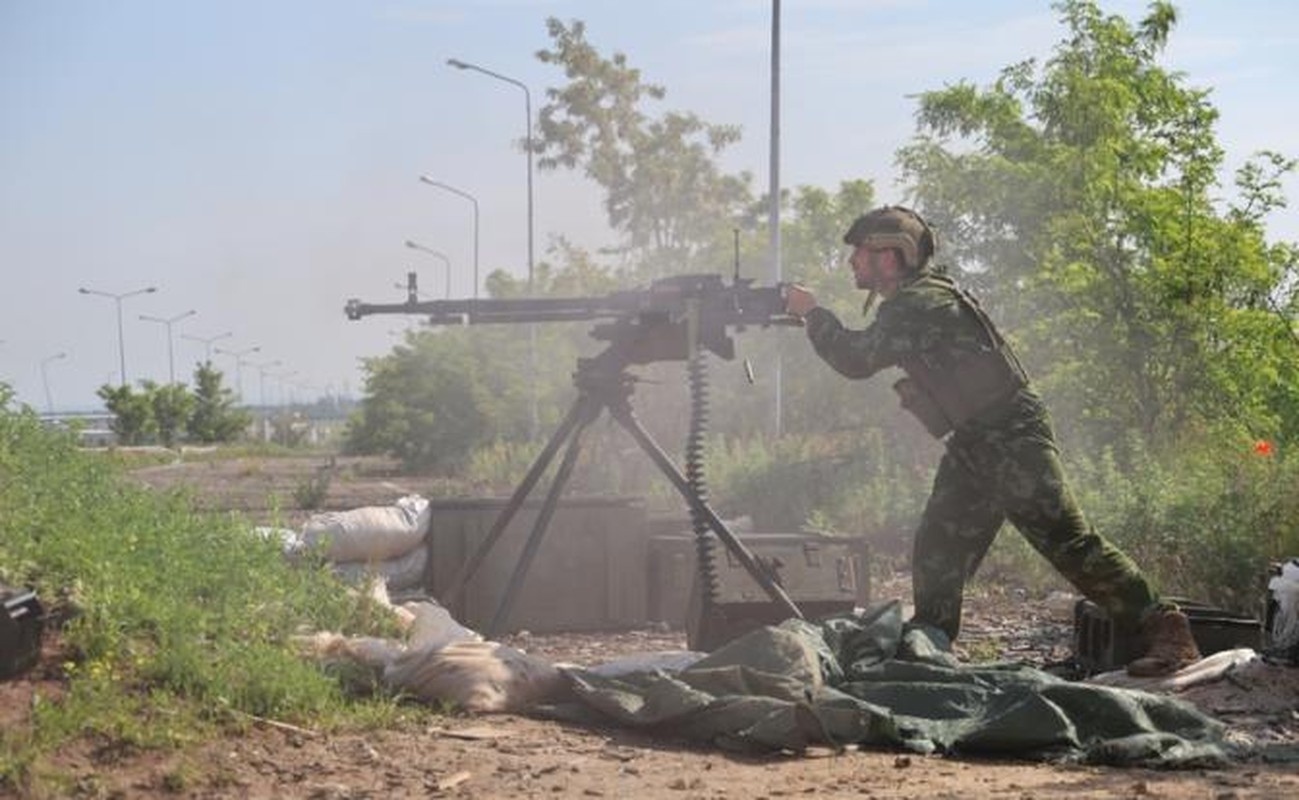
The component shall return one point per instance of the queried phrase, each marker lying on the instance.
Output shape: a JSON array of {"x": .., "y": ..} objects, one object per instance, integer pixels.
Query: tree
[
  {"x": 426, "y": 403},
  {"x": 1080, "y": 198},
  {"x": 172, "y": 405},
  {"x": 663, "y": 188},
  {"x": 133, "y": 419},
  {"x": 215, "y": 416}
]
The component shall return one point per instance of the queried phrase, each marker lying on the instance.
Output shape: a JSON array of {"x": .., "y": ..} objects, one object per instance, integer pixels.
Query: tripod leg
[
  {"x": 530, "y": 548},
  {"x": 470, "y": 568},
  {"x": 627, "y": 418}
]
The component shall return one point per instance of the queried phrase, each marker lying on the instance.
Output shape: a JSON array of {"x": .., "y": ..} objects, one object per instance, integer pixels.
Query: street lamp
[
  {"x": 45, "y": 380},
  {"x": 471, "y": 199},
  {"x": 283, "y": 378},
  {"x": 527, "y": 138},
  {"x": 238, "y": 356},
  {"x": 169, "y": 321},
  {"x": 121, "y": 340},
  {"x": 437, "y": 253},
  {"x": 527, "y": 133},
  {"x": 207, "y": 342},
  {"x": 261, "y": 383}
]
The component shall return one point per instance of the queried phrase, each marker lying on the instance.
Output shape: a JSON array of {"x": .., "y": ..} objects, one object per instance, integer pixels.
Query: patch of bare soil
[
  {"x": 512, "y": 756},
  {"x": 272, "y": 490}
]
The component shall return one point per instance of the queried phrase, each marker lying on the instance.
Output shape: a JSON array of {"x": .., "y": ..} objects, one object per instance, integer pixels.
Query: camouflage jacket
[{"x": 945, "y": 343}]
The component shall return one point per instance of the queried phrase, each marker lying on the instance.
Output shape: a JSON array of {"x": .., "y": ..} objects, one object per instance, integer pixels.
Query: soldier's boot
[{"x": 1169, "y": 645}]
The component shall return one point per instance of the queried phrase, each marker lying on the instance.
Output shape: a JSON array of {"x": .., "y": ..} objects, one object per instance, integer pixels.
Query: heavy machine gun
[
  {"x": 659, "y": 317},
  {"x": 678, "y": 318}
]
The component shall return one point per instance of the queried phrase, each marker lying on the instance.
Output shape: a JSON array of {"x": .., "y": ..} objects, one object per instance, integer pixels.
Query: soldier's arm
[{"x": 851, "y": 353}]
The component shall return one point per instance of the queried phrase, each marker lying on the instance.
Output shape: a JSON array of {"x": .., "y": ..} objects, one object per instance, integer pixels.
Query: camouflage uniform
[{"x": 1001, "y": 463}]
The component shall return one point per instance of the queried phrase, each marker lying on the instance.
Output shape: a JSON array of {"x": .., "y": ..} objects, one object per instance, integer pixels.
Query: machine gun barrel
[
  {"x": 666, "y": 300},
  {"x": 482, "y": 312}
]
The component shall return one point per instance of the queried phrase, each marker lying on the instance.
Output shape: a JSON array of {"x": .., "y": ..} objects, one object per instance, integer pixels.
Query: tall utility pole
[
  {"x": 773, "y": 221},
  {"x": 121, "y": 339},
  {"x": 527, "y": 145},
  {"x": 171, "y": 353}
]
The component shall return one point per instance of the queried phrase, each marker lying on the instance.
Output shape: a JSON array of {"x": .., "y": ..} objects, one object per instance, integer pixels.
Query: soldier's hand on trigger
[{"x": 798, "y": 300}]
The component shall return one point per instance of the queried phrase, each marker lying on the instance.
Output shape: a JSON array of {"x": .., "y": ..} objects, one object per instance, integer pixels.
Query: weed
[
  {"x": 984, "y": 651},
  {"x": 178, "y": 612},
  {"x": 311, "y": 492}
]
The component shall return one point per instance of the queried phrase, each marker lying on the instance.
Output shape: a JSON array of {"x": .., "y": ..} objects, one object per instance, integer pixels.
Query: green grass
[{"x": 176, "y": 623}]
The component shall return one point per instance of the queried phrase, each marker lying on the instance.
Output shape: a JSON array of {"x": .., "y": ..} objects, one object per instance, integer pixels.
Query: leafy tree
[
  {"x": 133, "y": 419},
  {"x": 664, "y": 190},
  {"x": 445, "y": 391},
  {"x": 1080, "y": 197},
  {"x": 426, "y": 403},
  {"x": 215, "y": 416},
  {"x": 172, "y": 405}
]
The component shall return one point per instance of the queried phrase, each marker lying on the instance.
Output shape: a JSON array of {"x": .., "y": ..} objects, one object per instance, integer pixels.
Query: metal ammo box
[
  {"x": 1098, "y": 647},
  {"x": 821, "y": 574},
  {"x": 21, "y": 622},
  {"x": 589, "y": 572}
]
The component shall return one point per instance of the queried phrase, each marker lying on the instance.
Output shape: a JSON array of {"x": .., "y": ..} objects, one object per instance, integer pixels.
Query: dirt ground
[{"x": 513, "y": 756}]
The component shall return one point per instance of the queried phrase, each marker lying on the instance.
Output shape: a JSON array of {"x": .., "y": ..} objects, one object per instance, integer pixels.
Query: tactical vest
[{"x": 946, "y": 388}]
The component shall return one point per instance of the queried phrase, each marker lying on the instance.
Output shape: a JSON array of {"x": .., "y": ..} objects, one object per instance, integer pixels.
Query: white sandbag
[
  {"x": 480, "y": 677},
  {"x": 403, "y": 572},
  {"x": 368, "y": 651},
  {"x": 1284, "y": 634},
  {"x": 432, "y": 627},
  {"x": 372, "y": 533}
]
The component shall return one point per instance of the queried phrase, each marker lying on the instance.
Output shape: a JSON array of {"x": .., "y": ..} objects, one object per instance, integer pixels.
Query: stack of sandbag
[
  {"x": 383, "y": 541},
  {"x": 443, "y": 662}
]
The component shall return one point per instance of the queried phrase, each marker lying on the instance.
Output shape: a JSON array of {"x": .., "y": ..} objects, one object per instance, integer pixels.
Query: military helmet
[{"x": 894, "y": 226}]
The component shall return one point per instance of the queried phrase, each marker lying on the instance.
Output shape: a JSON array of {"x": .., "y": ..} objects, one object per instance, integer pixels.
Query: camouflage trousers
[{"x": 1013, "y": 472}]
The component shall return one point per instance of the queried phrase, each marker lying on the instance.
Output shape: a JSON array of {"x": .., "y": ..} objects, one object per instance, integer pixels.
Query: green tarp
[{"x": 868, "y": 679}]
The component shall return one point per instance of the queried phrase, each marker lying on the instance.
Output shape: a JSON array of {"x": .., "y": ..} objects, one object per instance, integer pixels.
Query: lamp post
[
  {"x": 466, "y": 195},
  {"x": 169, "y": 321},
  {"x": 439, "y": 254},
  {"x": 283, "y": 379},
  {"x": 527, "y": 139},
  {"x": 45, "y": 380},
  {"x": 261, "y": 383},
  {"x": 238, "y": 356},
  {"x": 121, "y": 339},
  {"x": 207, "y": 341},
  {"x": 527, "y": 133}
]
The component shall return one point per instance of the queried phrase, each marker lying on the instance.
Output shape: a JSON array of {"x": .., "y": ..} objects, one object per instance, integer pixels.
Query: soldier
[{"x": 1001, "y": 463}]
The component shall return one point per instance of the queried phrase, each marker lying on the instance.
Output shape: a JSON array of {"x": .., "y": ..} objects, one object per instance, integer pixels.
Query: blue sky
[{"x": 257, "y": 162}]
